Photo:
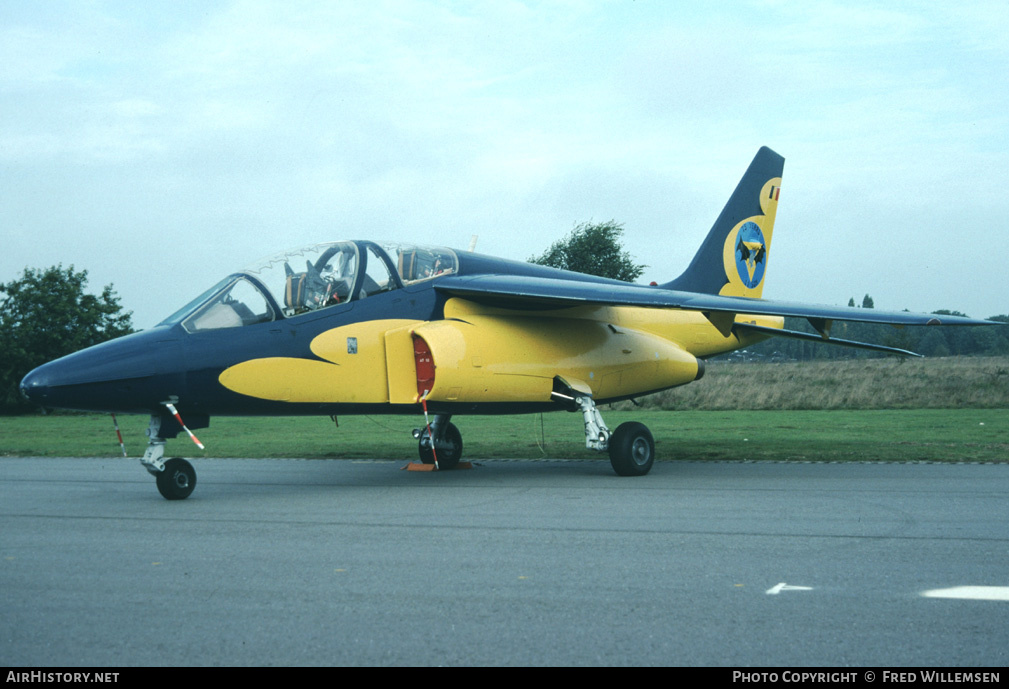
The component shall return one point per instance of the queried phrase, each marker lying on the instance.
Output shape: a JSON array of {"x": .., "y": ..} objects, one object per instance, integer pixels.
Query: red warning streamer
[
  {"x": 118, "y": 434},
  {"x": 430, "y": 435},
  {"x": 171, "y": 408}
]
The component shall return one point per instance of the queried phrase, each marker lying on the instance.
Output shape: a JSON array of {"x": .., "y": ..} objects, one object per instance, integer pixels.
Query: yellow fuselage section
[{"x": 486, "y": 355}]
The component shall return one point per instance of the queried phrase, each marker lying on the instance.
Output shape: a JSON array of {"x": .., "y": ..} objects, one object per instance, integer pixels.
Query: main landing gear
[
  {"x": 175, "y": 477},
  {"x": 631, "y": 447},
  {"x": 447, "y": 443}
]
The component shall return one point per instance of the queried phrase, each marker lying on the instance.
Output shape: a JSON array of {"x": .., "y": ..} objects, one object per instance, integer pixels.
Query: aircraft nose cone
[
  {"x": 35, "y": 386},
  {"x": 129, "y": 374}
]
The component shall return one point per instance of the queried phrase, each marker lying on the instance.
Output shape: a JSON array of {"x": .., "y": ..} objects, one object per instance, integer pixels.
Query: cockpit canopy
[{"x": 312, "y": 278}]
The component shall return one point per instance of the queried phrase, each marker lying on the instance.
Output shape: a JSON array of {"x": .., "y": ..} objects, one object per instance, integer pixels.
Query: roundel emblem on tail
[{"x": 751, "y": 254}]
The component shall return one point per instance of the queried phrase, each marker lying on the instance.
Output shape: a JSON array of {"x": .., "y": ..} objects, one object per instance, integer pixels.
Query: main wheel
[
  {"x": 178, "y": 479},
  {"x": 449, "y": 448},
  {"x": 632, "y": 449}
]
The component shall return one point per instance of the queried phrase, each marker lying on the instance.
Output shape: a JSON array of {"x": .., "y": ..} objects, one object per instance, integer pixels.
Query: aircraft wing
[{"x": 537, "y": 293}]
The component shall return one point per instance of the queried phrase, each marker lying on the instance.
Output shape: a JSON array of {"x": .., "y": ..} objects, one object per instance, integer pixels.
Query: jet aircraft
[{"x": 362, "y": 327}]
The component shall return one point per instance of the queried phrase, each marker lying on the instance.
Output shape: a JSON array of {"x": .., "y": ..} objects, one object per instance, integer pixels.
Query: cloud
[{"x": 234, "y": 129}]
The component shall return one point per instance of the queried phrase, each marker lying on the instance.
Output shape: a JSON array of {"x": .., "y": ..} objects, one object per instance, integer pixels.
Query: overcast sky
[{"x": 161, "y": 146}]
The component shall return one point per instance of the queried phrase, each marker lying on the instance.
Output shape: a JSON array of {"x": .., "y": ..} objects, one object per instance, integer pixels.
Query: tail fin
[{"x": 733, "y": 258}]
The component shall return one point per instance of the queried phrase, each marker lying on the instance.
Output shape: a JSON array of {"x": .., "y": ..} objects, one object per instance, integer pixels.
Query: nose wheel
[{"x": 178, "y": 479}]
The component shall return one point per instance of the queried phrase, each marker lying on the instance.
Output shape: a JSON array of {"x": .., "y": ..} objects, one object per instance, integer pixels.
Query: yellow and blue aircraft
[{"x": 362, "y": 327}]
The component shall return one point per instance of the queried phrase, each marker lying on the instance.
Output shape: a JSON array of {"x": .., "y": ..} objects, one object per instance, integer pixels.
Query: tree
[
  {"x": 867, "y": 302},
  {"x": 594, "y": 249},
  {"x": 47, "y": 314}
]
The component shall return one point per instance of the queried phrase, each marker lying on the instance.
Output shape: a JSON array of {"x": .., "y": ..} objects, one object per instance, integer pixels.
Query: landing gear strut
[{"x": 447, "y": 443}]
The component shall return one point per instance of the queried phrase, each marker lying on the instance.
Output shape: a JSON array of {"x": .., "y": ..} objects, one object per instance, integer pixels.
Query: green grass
[
  {"x": 949, "y": 435},
  {"x": 952, "y": 409}
]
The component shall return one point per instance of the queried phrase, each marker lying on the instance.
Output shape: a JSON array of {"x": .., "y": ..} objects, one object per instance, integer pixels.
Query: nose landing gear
[{"x": 175, "y": 477}]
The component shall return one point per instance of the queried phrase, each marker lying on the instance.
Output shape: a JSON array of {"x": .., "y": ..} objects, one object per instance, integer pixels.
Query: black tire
[
  {"x": 632, "y": 449},
  {"x": 449, "y": 449},
  {"x": 178, "y": 479}
]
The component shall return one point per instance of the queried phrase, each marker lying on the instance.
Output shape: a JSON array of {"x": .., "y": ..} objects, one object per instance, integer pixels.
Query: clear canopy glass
[{"x": 312, "y": 278}]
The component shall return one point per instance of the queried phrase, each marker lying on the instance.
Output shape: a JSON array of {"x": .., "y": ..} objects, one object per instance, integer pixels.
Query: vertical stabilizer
[{"x": 733, "y": 258}]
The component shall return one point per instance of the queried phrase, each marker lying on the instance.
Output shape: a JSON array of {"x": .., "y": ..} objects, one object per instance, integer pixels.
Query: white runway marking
[
  {"x": 970, "y": 593},
  {"x": 775, "y": 590}
]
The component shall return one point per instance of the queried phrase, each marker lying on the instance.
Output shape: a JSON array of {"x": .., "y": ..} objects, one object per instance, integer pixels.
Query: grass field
[
  {"x": 953, "y": 409},
  {"x": 886, "y": 383},
  {"x": 980, "y": 435}
]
